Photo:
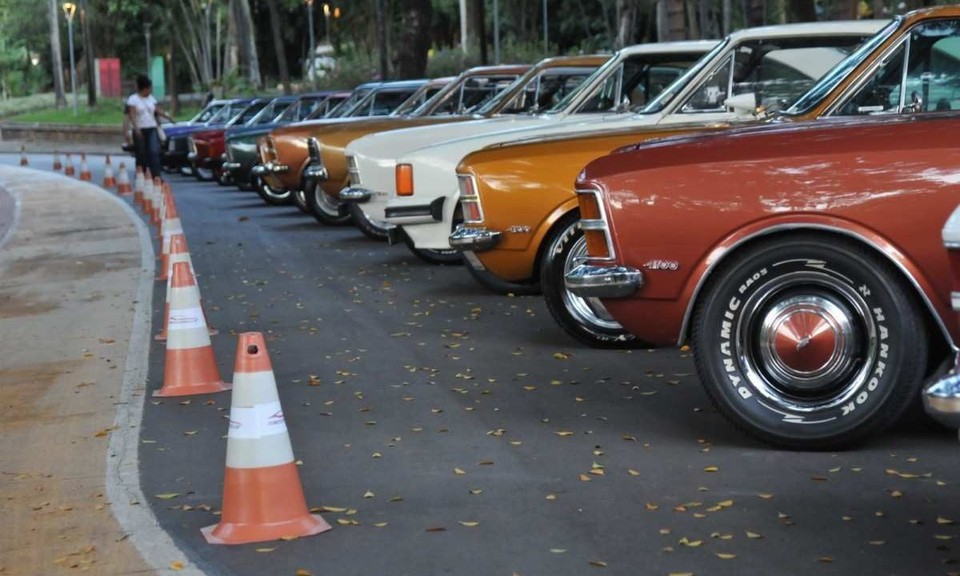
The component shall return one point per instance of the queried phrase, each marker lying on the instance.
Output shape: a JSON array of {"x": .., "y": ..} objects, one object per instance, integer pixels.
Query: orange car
[
  {"x": 523, "y": 237},
  {"x": 284, "y": 154}
]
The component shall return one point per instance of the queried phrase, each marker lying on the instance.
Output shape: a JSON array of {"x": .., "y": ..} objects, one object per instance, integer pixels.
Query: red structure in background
[{"x": 108, "y": 78}]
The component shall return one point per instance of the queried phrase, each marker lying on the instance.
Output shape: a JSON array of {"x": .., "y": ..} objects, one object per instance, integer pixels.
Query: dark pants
[{"x": 148, "y": 150}]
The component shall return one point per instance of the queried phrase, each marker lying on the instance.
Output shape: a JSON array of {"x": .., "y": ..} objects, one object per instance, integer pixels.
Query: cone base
[
  {"x": 235, "y": 533},
  {"x": 191, "y": 389}
]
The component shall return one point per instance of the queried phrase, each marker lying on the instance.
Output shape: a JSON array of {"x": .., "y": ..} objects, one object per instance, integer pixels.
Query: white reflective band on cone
[
  {"x": 186, "y": 319},
  {"x": 247, "y": 422}
]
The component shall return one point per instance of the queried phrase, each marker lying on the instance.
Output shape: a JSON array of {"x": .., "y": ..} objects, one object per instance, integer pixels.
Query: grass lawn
[{"x": 109, "y": 112}]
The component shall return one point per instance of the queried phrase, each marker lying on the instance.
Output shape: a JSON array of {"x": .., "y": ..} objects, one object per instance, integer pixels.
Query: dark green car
[{"x": 241, "y": 142}]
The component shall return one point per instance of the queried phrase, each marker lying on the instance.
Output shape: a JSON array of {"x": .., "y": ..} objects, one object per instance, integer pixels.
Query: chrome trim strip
[
  {"x": 955, "y": 301},
  {"x": 231, "y": 166},
  {"x": 864, "y": 77},
  {"x": 719, "y": 257},
  {"x": 590, "y": 281},
  {"x": 951, "y": 245},
  {"x": 941, "y": 398}
]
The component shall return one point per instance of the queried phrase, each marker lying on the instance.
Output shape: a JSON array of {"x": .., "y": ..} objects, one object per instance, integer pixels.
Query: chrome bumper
[
  {"x": 231, "y": 166},
  {"x": 603, "y": 281},
  {"x": 465, "y": 238},
  {"x": 270, "y": 168},
  {"x": 356, "y": 194},
  {"x": 192, "y": 156},
  {"x": 315, "y": 172},
  {"x": 941, "y": 399}
]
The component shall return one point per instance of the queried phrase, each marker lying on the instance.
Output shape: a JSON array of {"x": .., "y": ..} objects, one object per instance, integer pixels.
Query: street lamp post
[
  {"x": 69, "y": 9},
  {"x": 146, "y": 34},
  {"x": 326, "y": 17},
  {"x": 313, "y": 46}
]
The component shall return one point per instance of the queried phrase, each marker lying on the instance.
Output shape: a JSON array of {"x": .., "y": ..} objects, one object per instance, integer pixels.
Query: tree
[
  {"x": 56, "y": 58},
  {"x": 247, "y": 59},
  {"x": 627, "y": 11},
  {"x": 415, "y": 16},
  {"x": 88, "y": 53},
  {"x": 278, "y": 46}
]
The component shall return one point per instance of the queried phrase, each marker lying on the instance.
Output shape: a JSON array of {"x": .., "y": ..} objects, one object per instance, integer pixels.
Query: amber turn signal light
[{"x": 404, "y": 180}]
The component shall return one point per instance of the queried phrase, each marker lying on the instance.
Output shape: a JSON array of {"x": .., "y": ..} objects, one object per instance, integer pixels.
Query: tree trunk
[
  {"x": 382, "y": 25},
  {"x": 676, "y": 19},
  {"x": 248, "y": 60},
  {"x": 756, "y": 13},
  {"x": 278, "y": 46},
  {"x": 88, "y": 53},
  {"x": 480, "y": 17},
  {"x": 626, "y": 23},
  {"x": 56, "y": 58},
  {"x": 414, "y": 37},
  {"x": 802, "y": 11}
]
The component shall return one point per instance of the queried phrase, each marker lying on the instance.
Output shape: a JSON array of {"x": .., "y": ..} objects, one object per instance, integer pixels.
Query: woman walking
[{"x": 144, "y": 114}]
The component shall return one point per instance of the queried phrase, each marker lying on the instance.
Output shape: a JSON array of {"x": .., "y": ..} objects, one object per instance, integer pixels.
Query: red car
[
  {"x": 808, "y": 264},
  {"x": 207, "y": 147}
]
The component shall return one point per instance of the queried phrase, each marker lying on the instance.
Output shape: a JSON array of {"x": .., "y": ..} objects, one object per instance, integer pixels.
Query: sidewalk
[{"x": 70, "y": 279}]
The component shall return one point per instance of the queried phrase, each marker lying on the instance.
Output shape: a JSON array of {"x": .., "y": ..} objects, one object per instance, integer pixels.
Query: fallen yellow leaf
[
  {"x": 368, "y": 494},
  {"x": 167, "y": 496},
  {"x": 380, "y": 524},
  {"x": 266, "y": 549},
  {"x": 632, "y": 472},
  {"x": 598, "y": 563},
  {"x": 944, "y": 521},
  {"x": 564, "y": 433},
  {"x": 711, "y": 469},
  {"x": 470, "y": 524},
  {"x": 458, "y": 471},
  {"x": 178, "y": 565},
  {"x": 725, "y": 556},
  {"x": 558, "y": 550},
  {"x": 302, "y": 572},
  {"x": 754, "y": 535}
]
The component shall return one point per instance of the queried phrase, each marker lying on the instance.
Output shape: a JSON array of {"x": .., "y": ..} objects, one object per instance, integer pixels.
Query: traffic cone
[
  {"x": 23, "y": 156},
  {"x": 189, "y": 367},
  {"x": 138, "y": 186},
  {"x": 157, "y": 200},
  {"x": 57, "y": 164},
  {"x": 147, "y": 191},
  {"x": 108, "y": 180},
  {"x": 68, "y": 167},
  {"x": 262, "y": 495},
  {"x": 84, "y": 169},
  {"x": 123, "y": 181},
  {"x": 170, "y": 227}
]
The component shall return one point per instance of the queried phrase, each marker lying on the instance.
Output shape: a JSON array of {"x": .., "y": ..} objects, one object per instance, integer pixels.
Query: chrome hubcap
[
  {"x": 806, "y": 341},
  {"x": 325, "y": 202},
  {"x": 587, "y": 312}
]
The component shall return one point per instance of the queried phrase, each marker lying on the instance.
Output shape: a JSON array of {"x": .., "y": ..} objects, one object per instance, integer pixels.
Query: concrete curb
[
  {"x": 8, "y": 233},
  {"x": 128, "y": 503}
]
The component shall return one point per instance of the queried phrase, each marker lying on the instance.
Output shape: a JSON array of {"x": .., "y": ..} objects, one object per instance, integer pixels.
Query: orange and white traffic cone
[
  {"x": 171, "y": 226},
  {"x": 156, "y": 201},
  {"x": 123, "y": 181},
  {"x": 189, "y": 367},
  {"x": 108, "y": 179},
  {"x": 262, "y": 495},
  {"x": 85, "y": 169},
  {"x": 147, "y": 191},
  {"x": 178, "y": 252},
  {"x": 68, "y": 169},
  {"x": 57, "y": 164},
  {"x": 23, "y": 156},
  {"x": 138, "y": 183}
]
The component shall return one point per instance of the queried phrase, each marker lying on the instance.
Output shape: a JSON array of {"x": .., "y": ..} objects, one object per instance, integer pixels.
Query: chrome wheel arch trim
[{"x": 726, "y": 251}]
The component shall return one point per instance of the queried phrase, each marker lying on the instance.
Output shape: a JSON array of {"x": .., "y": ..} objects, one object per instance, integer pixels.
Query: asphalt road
[{"x": 455, "y": 431}]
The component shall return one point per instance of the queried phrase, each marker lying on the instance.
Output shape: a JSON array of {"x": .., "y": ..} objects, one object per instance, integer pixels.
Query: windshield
[
  {"x": 270, "y": 112},
  {"x": 382, "y": 102},
  {"x": 835, "y": 76},
  {"x": 207, "y": 113},
  {"x": 466, "y": 96},
  {"x": 346, "y": 107},
  {"x": 667, "y": 96},
  {"x": 537, "y": 90},
  {"x": 415, "y": 102},
  {"x": 248, "y": 113}
]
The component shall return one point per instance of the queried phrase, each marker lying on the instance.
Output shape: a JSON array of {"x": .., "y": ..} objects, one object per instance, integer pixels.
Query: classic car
[
  {"x": 468, "y": 90},
  {"x": 174, "y": 155},
  {"x": 470, "y": 97},
  {"x": 283, "y": 148},
  {"x": 241, "y": 143},
  {"x": 206, "y": 146},
  {"x": 803, "y": 262},
  {"x": 649, "y": 68},
  {"x": 517, "y": 240},
  {"x": 176, "y": 149}
]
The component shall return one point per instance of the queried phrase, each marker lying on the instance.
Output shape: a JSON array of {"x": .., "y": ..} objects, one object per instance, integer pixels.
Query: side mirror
[
  {"x": 742, "y": 104},
  {"x": 624, "y": 106},
  {"x": 915, "y": 105}
]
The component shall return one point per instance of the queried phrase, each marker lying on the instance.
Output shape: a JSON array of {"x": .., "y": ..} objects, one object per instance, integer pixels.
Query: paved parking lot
[{"x": 447, "y": 430}]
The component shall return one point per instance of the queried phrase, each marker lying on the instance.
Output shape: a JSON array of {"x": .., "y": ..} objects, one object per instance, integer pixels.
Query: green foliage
[
  {"x": 13, "y": 106},
  {"x": 108, "y": 112},
  {"x": 354, "y": 66}
]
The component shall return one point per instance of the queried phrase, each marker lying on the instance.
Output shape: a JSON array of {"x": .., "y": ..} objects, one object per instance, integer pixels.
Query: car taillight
[
  {"x": 470, "y": 200},
  {"x": 404, "y": 180},
  {"x": 593, "y": 222}
]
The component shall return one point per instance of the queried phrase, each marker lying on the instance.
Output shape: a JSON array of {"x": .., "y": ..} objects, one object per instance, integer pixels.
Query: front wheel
[
  {"x": 372, "y": 228},
  {"x": 586, "y": 319},
  {"x": 326, "y": 208},
  {"x": 810, "y": 342},
  {"x": 449, "y": 257},
  {"x": 269, "y": 195}
]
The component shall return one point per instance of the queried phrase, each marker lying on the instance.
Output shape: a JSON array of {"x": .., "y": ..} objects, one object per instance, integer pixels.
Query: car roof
[
  {"x": 668, "y": 47},
  {"x": 811, "y": 29}
]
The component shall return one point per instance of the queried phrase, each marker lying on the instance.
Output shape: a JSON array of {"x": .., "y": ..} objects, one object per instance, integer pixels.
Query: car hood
[
  {"x": 258, "y": 130},
  {"x": 184, "y": 131}
]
